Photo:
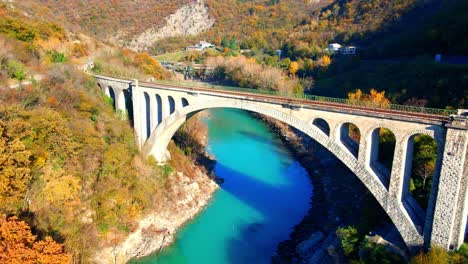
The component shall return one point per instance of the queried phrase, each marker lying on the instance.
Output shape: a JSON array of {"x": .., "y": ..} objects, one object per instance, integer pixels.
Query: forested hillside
[
  {"x": 69, "y": 167},
  {"x": 104, "y": 18},
  {"x": 307, "y": 26},
  {"x": 124, "y": 19}
]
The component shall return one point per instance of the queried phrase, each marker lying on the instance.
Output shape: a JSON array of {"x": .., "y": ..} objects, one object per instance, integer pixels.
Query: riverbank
[
  {"x": 338, "y": 200},
  {"x": 157, "y": 230},
  {"x": 189, "y": 190}
]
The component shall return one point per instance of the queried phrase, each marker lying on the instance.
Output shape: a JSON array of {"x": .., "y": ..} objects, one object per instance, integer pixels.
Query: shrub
[
  {"x": 375, "y": 253},
  {"x": 79, "y": 50},
  {"x": 56, "y": 57},
  {"x": 16, "y": 28},
  {"x": 97, "y": 67},
  {"x": 349, "y": 239},
  {"x": 436, "y": 255},
  {"x": 16, "y": 70}
]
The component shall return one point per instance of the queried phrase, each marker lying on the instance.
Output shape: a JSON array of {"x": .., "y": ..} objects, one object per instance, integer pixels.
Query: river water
[{"x": 265, "y": 193}]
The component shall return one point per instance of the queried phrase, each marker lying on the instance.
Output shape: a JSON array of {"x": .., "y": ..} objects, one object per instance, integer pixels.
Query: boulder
[{"x": 305, "y": 248}]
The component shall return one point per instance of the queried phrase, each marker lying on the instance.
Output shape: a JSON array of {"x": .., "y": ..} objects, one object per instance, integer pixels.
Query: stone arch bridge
[{"x": 159, "y": 109}]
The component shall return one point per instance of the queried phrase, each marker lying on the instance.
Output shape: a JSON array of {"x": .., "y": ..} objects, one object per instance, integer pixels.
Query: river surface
[{"x": 265, "y": 193}]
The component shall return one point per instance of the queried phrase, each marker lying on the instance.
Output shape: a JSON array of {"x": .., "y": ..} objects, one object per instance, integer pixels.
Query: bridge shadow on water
[{"x": 281, "y": 206}]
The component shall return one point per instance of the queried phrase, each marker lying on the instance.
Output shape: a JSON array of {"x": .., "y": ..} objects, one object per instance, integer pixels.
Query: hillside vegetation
[
  {"x": 69, "y": 167},
  {"x": 105, "y": 19}
]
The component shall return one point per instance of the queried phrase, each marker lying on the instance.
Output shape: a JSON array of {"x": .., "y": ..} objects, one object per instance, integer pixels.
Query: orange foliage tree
[
  {"x": 19, "y": 245},
  {"x": 149, "y": 65}
]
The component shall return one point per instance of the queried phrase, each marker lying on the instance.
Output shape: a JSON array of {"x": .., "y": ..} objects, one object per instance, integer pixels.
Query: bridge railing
[{"x": 364, "y": 104}]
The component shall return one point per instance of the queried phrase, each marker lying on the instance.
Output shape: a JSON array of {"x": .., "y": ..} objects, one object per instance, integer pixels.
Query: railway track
[{"x": 308, "y": 102}]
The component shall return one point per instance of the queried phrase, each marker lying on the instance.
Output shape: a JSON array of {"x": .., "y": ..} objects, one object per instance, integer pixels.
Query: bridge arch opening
[
  {"x": 172, "y": 105},
  {"x": 350, "y": 137},
  {"x": 381, "y": 153},
  {"x": 129, "y": 106},
  {"x": 111, "y": 94},
  {"x": 184, "y": 102},
  {"x": 422, "y": 163},
  {"x": 159, "y": 109},
  {"x": 322, "y": 125},
  {"x": 147, "y": 119}
]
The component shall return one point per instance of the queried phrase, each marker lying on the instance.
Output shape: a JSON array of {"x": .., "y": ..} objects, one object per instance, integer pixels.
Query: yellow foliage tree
[
  {"x": 293, "y": 67},
  {"x": 15, "y": 174},
  {"x": 59, "y": 188},
  {"x": 374, "y": 98},
  {"x": 325, "y": 61},
  {"x": 435, "y": 256}
]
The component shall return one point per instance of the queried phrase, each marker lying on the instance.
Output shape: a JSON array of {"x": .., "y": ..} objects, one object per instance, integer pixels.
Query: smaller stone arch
[
  {"x": 350, "y": 136},
  {"x": 184, "y": 102},
  {"x": 172, "y": 105},
  {"x": 322, "y": 124},
  {"x": 111, "y": 94},
  {"x": 381, "y": 152},
  {"x": 129, "y": 105},
  {"x": 147, "y": 119},
  {"x": 415, "y": 202},
  {"x": 159, "y": 109}
]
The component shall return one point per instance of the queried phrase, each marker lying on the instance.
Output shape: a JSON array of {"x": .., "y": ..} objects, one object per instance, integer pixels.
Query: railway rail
[{"x": 438, "y": 115}]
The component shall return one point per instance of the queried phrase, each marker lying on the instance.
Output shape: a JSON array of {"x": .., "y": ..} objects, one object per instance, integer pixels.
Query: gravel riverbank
[{"x": 337, "y": 201}]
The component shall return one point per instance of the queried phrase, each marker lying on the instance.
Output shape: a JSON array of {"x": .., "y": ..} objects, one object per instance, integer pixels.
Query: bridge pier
[
  {"x": 451, "y": 209},
  {"x": 120, "y": 104},
  {"x": 138, "y": 115}
]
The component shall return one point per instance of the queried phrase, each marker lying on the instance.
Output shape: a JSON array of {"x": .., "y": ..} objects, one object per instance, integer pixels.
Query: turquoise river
[{"x": 265, "y": 193}]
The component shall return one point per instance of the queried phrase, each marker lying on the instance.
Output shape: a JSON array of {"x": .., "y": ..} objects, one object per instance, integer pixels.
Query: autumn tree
[
  {"x": 374, "y": 98},
  {"x": 14, "y": 169},
  {"x": 325, "y": 61},
  {"x": 19, "y": 245},
  {"x": 293, "y": 67},
  {"x": 149, "y": 65},
  {"x": 436, "y": 255},
  {"x": 425, "y": 171}
]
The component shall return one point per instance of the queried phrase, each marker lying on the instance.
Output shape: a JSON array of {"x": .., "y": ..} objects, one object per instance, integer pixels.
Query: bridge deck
[{"x": 325, "y": 103}]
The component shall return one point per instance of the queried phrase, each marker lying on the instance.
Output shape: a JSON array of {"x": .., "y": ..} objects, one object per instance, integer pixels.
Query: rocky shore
[
  {"x": 337, "y": 201},
  {"x": 157, "y": 230}
]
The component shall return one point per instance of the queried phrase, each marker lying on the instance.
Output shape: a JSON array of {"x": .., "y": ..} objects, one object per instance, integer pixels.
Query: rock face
[
  {"x": 306, "y": 247},
  {"x": 191, "y": 19},
  {"x": 157, "y": 230}
]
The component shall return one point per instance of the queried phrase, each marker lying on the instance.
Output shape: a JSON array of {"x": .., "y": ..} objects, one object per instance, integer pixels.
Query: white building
[
  {"x": 334, "y": 47},
  {"x": 349, "y": 50},
  {"x": 200, "y": 46}
]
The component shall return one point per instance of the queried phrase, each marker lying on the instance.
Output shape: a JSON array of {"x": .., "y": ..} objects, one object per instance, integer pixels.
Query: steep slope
[
  {"x": 105, "y": 18},
  {"x": 190, "y": 19}
]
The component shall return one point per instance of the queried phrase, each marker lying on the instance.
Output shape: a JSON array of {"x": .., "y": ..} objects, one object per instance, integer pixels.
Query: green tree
[
  {"x": 16, "y": 70},
  {"x": 349, "y": 240}
]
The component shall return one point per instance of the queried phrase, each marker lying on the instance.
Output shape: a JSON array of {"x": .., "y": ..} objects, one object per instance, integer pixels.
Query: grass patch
[{"x": 171, "y": 57}]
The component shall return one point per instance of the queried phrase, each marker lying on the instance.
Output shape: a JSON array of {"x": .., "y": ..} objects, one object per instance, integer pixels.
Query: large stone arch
[{"x": 157, "y": 144}]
